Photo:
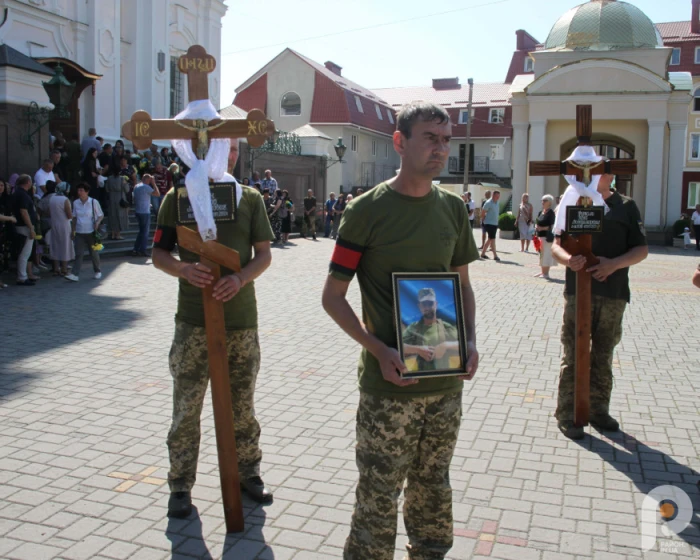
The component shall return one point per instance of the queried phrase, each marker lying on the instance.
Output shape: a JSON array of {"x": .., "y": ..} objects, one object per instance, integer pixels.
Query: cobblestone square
[{"x": 85, "y": 404}]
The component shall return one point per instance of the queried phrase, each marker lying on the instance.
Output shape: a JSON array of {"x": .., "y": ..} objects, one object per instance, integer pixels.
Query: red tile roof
[
  {"x": 329, "y": 105},
  {"x": 485, "y": 95},
  {"x": 254, "y": 96},
  {"x": 677, "y": 31}
]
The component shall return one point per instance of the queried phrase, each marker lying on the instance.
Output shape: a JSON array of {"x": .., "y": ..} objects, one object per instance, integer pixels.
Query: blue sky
[{"x": 475, "y": 40}]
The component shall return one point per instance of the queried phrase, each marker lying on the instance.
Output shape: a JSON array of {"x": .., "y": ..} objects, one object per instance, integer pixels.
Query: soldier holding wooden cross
[{"x": 216, "y": 336}]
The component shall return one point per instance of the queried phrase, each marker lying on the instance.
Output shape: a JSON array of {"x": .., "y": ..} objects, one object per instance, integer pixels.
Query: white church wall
[
  {"x": 654, "y": 60},
  {"x": 599, "y": 77}
]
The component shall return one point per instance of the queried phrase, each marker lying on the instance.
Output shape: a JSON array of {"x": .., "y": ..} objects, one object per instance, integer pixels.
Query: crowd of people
[{"x": 81, "y": 194}]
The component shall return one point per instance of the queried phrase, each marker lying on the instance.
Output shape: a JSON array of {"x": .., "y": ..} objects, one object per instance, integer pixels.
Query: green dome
[{"x": 603, "y": 25}]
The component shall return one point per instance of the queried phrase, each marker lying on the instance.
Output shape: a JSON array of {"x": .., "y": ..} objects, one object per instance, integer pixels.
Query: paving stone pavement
[{"x": 85, "y": 403}]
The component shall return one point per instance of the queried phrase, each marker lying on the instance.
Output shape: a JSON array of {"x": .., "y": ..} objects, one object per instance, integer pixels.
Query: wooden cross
[
  {"x": 197, "y": 64},
  {"x": 582, "y": 244},
  {"x": 142, "y": 130}
]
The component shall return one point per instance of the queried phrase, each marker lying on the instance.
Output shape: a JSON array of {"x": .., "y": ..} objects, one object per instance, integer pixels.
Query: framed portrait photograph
[{"x": 429, "y": 320}]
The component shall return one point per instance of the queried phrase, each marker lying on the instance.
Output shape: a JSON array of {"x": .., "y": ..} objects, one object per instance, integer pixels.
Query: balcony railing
[{"x": 456, "y": 165}]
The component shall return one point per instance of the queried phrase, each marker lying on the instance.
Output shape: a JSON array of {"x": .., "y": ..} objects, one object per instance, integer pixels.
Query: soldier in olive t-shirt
[{"x": 250, "y": 234}]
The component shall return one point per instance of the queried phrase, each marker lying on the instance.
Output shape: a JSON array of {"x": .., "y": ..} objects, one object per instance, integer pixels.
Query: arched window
[
  {"x": 696, "y": 100},
  {"x": 291, "y": 104}
]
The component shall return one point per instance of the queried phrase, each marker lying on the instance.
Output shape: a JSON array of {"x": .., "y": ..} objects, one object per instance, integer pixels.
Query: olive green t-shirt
[
  {"x": 420, "y": 334},
  {"x": 251, "y": 226},
  {"x": 382, "y": 232}
]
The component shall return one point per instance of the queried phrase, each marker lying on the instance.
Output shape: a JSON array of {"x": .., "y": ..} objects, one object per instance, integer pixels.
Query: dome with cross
[{"x": 603, "y": 25}]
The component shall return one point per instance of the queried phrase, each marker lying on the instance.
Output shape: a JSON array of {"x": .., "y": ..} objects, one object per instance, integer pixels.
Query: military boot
[
  {"x": 605, "y": 423},
  {"x": 180, "y": 505},
  {"x": 569, "y": 430}
]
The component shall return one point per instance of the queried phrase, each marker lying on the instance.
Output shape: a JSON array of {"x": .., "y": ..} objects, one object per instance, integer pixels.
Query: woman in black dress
[{"x": 545, "y": 231}]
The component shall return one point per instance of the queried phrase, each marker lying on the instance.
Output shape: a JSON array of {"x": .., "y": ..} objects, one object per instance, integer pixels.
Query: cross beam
[{"x": 582, "y": 245}]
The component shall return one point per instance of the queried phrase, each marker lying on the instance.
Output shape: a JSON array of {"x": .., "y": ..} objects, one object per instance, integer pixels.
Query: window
[
  {"x": 496, "y": 116},
  {"x": 290, "y": 105},
  {"x": 177, "y": 90},
  {"x": 353, "y": 143},
  {"x": 379, "y": 112},
  {"x": 374, "y": 147},
  {"x": 695, "y": 146},
  {"x": 693, "y": 195},
  {"x": 529, "y": 64},
  {"x": 696, "y": 101},
  {"x": 386, "y": 151},
  {"x": 496, "y": 151},
  {"x": 358, "y": 102},
  {"x": 390, "y": 116},
  {"x": 676, "y": 57},
  {"x": 463, "y": 119},
  {"x": 697, "y": 55}
]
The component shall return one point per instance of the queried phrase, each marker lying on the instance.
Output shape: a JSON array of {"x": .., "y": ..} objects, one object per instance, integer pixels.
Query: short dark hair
[
  {"x": 264, "y": 191},
  {"x": 107, "y": 146},
  {"x": 56, "y": 152},
  {"x": 419, "y": 110},
  {"x": 23, "y": 180},
  {"x": 50, "y": 187},
  {"x": 82, "y": 185},
  {"x": 496, "y": 192},
  {"x": 99, "y": 138}
]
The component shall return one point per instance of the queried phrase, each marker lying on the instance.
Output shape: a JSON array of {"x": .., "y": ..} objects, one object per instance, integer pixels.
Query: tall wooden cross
[
  {"x": 582, "y": 244},
  {"x": 142, "y": 130}
]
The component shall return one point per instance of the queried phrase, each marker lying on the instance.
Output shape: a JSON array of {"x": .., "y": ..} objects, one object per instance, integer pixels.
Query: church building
[
  {"x": 120, "y": 55},
  {"x": 610, "y": 55}
]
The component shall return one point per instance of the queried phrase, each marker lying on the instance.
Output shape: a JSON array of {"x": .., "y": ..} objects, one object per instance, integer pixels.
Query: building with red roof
[{"x": 684, "y": 38}]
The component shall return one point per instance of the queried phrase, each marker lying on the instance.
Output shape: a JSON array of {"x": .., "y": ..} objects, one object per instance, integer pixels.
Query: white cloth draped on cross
[
  {"x": 214, "y": 166},
  {"x": 582, "y": 155}
]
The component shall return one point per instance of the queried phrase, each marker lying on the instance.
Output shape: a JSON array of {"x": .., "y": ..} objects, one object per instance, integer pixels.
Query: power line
[{"x": 376, "y": 26}]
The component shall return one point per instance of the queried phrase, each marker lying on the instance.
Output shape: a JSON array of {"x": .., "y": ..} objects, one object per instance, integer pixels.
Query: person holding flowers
[{"x": 87, "y": 217}]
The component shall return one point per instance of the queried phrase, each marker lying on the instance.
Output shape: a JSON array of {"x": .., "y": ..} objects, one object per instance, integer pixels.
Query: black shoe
[
  {"x": 134, "y": 253},
  {"x": 314, "y": 236},
  {"x": 569, "y": 430},
  {"x": 255, "y": 488},
  {"x": 26, "y": 282},
  {"x": 605, "y": 423},
  {"x": 180, "y": 505}
]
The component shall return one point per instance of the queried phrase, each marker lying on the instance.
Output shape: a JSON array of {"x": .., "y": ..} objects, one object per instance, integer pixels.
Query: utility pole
[{"x": 467, "y": 145}]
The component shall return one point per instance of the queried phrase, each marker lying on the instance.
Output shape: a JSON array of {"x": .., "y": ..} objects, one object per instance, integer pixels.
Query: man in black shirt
[
  {"x": 105, "y": 157},
  {"x": 621, "y": 244},
  {"x": 309, "y": 215},
  {"x": 25, "y": 214}
]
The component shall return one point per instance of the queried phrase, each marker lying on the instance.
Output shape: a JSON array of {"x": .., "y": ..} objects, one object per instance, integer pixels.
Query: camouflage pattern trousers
[
  {"x": 402, "y": 441},
  {"x": 189, "y": 368},
  {"x": 606, "y": 333}
]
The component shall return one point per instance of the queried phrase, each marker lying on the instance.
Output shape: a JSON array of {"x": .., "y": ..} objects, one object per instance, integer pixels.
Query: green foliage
[{"x": 506, "y": 222}]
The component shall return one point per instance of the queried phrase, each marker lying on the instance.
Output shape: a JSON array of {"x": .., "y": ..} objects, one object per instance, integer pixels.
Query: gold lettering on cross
[{"x": 141, "y": 129}]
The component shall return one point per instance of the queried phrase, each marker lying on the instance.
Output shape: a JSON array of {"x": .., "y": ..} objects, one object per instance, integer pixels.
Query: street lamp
[
  {"x": 340, "y": 150},
  {"x": 60, "y": 92}
]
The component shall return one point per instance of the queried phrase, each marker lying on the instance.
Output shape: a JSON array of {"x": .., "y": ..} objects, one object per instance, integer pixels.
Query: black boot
[
  {"x": 569, "y": 430},
  {"x": 180, "y": 505},
  {"x": 605, "y": 423},
  {"x": 255, "y": 488}
]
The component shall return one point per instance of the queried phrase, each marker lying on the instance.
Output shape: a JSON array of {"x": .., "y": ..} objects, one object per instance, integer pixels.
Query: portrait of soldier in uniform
[{"x": 431, "y": 340}]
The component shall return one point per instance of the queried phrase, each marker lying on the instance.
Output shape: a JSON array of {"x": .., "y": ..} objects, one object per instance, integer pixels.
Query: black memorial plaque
[
  {"x": 223, "y": 201},
  {"x": 584, "y": 219}
]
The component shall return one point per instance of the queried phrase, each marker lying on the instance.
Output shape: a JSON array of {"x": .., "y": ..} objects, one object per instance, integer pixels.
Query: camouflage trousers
[
  {"x": 412, "y": 442},
  {"x": 309, "y": 225},
  {"x": 606, "y": 333},
  {"x": 189, "y": 368}
]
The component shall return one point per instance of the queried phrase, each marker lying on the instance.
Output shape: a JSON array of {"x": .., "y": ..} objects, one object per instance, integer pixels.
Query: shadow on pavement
[
  {"x": 190, "y": 529},
  {"x": 53, "y": 314},
  {"x": 649, "y": 468}
]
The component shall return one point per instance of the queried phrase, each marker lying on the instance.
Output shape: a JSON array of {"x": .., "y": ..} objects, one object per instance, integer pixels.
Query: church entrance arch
[{"x": 612, "y": 147}]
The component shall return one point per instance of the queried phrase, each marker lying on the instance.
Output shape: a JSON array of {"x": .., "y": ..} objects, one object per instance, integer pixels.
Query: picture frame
[
  {"x": 418, "y": 334},
  {"x": 224, "y": 204}
]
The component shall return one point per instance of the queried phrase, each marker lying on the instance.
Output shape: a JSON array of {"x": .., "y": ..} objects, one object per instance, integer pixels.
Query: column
[
  {"x": 655, "y": 167},
  {"x": 519, "y": 157},
  {"x": 676, "y": 162},
  {"x": 537, "y": 152}
]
